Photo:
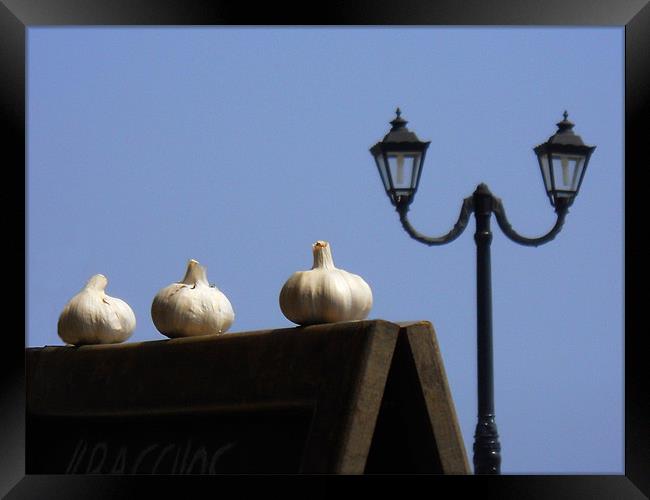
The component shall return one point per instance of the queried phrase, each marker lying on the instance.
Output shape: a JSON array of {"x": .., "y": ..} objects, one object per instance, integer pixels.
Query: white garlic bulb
[
  {"x": 92, "y": 317},
  {"x": 325, "y": 294},
  {"x": 191, "y": 307}
]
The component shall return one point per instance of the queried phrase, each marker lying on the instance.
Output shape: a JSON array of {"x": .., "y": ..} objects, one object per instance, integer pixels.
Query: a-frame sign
[{"x": 343, "y": 398}]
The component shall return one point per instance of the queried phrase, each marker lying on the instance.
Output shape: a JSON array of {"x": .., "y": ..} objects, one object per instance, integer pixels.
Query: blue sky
[{"x": 240, "y": 147}]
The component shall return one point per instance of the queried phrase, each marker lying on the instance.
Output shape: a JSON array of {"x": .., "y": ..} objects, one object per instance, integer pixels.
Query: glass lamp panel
[
  {"x": 403, "y": 168},
  {"x": 546, "y": 174},
  {"x": 567, "y": 172},
  {"x": 383, "y": 173},
  {"x": 417, "y": 165}
]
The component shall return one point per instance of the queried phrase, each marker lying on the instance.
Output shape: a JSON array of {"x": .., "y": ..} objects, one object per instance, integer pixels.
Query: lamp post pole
[
  {"x": 563, "y": 161},
  {"x": 487, "y": 449}
]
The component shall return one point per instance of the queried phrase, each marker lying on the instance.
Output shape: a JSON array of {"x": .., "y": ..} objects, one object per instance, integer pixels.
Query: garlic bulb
[
  {"x": 191, "y": 307},
  {"x": 324, "y": 294},
  {"x": 92, "y": 317}
]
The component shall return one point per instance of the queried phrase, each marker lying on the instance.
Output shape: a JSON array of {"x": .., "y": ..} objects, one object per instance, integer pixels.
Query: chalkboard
[
  {"x": 352, "y": 398},
  {"x": 182, "y": 444}
]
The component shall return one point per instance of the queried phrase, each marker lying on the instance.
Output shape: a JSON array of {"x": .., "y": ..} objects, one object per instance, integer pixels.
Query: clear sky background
[{"x": 240, "y": 147}]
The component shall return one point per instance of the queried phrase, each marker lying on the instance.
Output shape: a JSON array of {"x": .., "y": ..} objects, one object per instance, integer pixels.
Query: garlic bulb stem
[
  {"x": 195, "y": 273},
  {"x": 322, "y": 256},
  {"x": 97, "y": 282}
]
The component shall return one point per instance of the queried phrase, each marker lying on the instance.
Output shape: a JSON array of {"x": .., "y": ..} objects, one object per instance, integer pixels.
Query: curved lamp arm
[
  {"x": 459, "y": 227},
  {"x": 505, "y": 226}
]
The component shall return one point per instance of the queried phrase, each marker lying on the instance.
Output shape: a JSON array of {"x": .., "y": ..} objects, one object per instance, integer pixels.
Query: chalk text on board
[{"x": 155, "y": 458}]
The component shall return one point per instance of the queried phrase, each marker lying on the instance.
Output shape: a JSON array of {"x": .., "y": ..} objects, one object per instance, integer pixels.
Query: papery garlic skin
[
  {"x": 192, "y": 307},
  {"x": 92, "y": 317},
  {"x": 325, "y": 294}
]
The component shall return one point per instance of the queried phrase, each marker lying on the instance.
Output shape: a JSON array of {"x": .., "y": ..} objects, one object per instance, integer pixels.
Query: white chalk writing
[{"x": 152, "y": 458}]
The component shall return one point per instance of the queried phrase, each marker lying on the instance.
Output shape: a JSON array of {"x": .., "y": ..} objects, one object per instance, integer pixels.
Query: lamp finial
[
  {"x": 398, "y": 122},
  {"x": 565, "y": 125}
]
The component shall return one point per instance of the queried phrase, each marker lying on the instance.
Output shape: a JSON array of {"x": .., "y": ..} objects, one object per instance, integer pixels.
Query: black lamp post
[{"x": 563, "y": 160}]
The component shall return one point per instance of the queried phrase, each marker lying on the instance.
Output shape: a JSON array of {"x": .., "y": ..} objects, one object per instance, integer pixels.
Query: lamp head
[
  {"x": 399, "y": 157},
  {"x": 563, "y": 160}
]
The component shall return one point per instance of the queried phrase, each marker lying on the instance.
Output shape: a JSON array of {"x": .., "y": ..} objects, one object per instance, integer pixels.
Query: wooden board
[{"x": 348, "y": 398}]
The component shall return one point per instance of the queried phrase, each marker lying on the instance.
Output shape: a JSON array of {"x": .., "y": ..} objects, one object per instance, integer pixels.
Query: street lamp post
[{"x": 563, "y": 160}]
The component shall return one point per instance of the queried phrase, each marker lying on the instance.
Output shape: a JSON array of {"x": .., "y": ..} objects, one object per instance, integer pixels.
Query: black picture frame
[{"x": 16, "y": 16}]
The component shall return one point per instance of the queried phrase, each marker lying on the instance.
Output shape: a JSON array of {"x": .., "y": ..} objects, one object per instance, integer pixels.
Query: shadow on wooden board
[{"x": 343, "y": 398}]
